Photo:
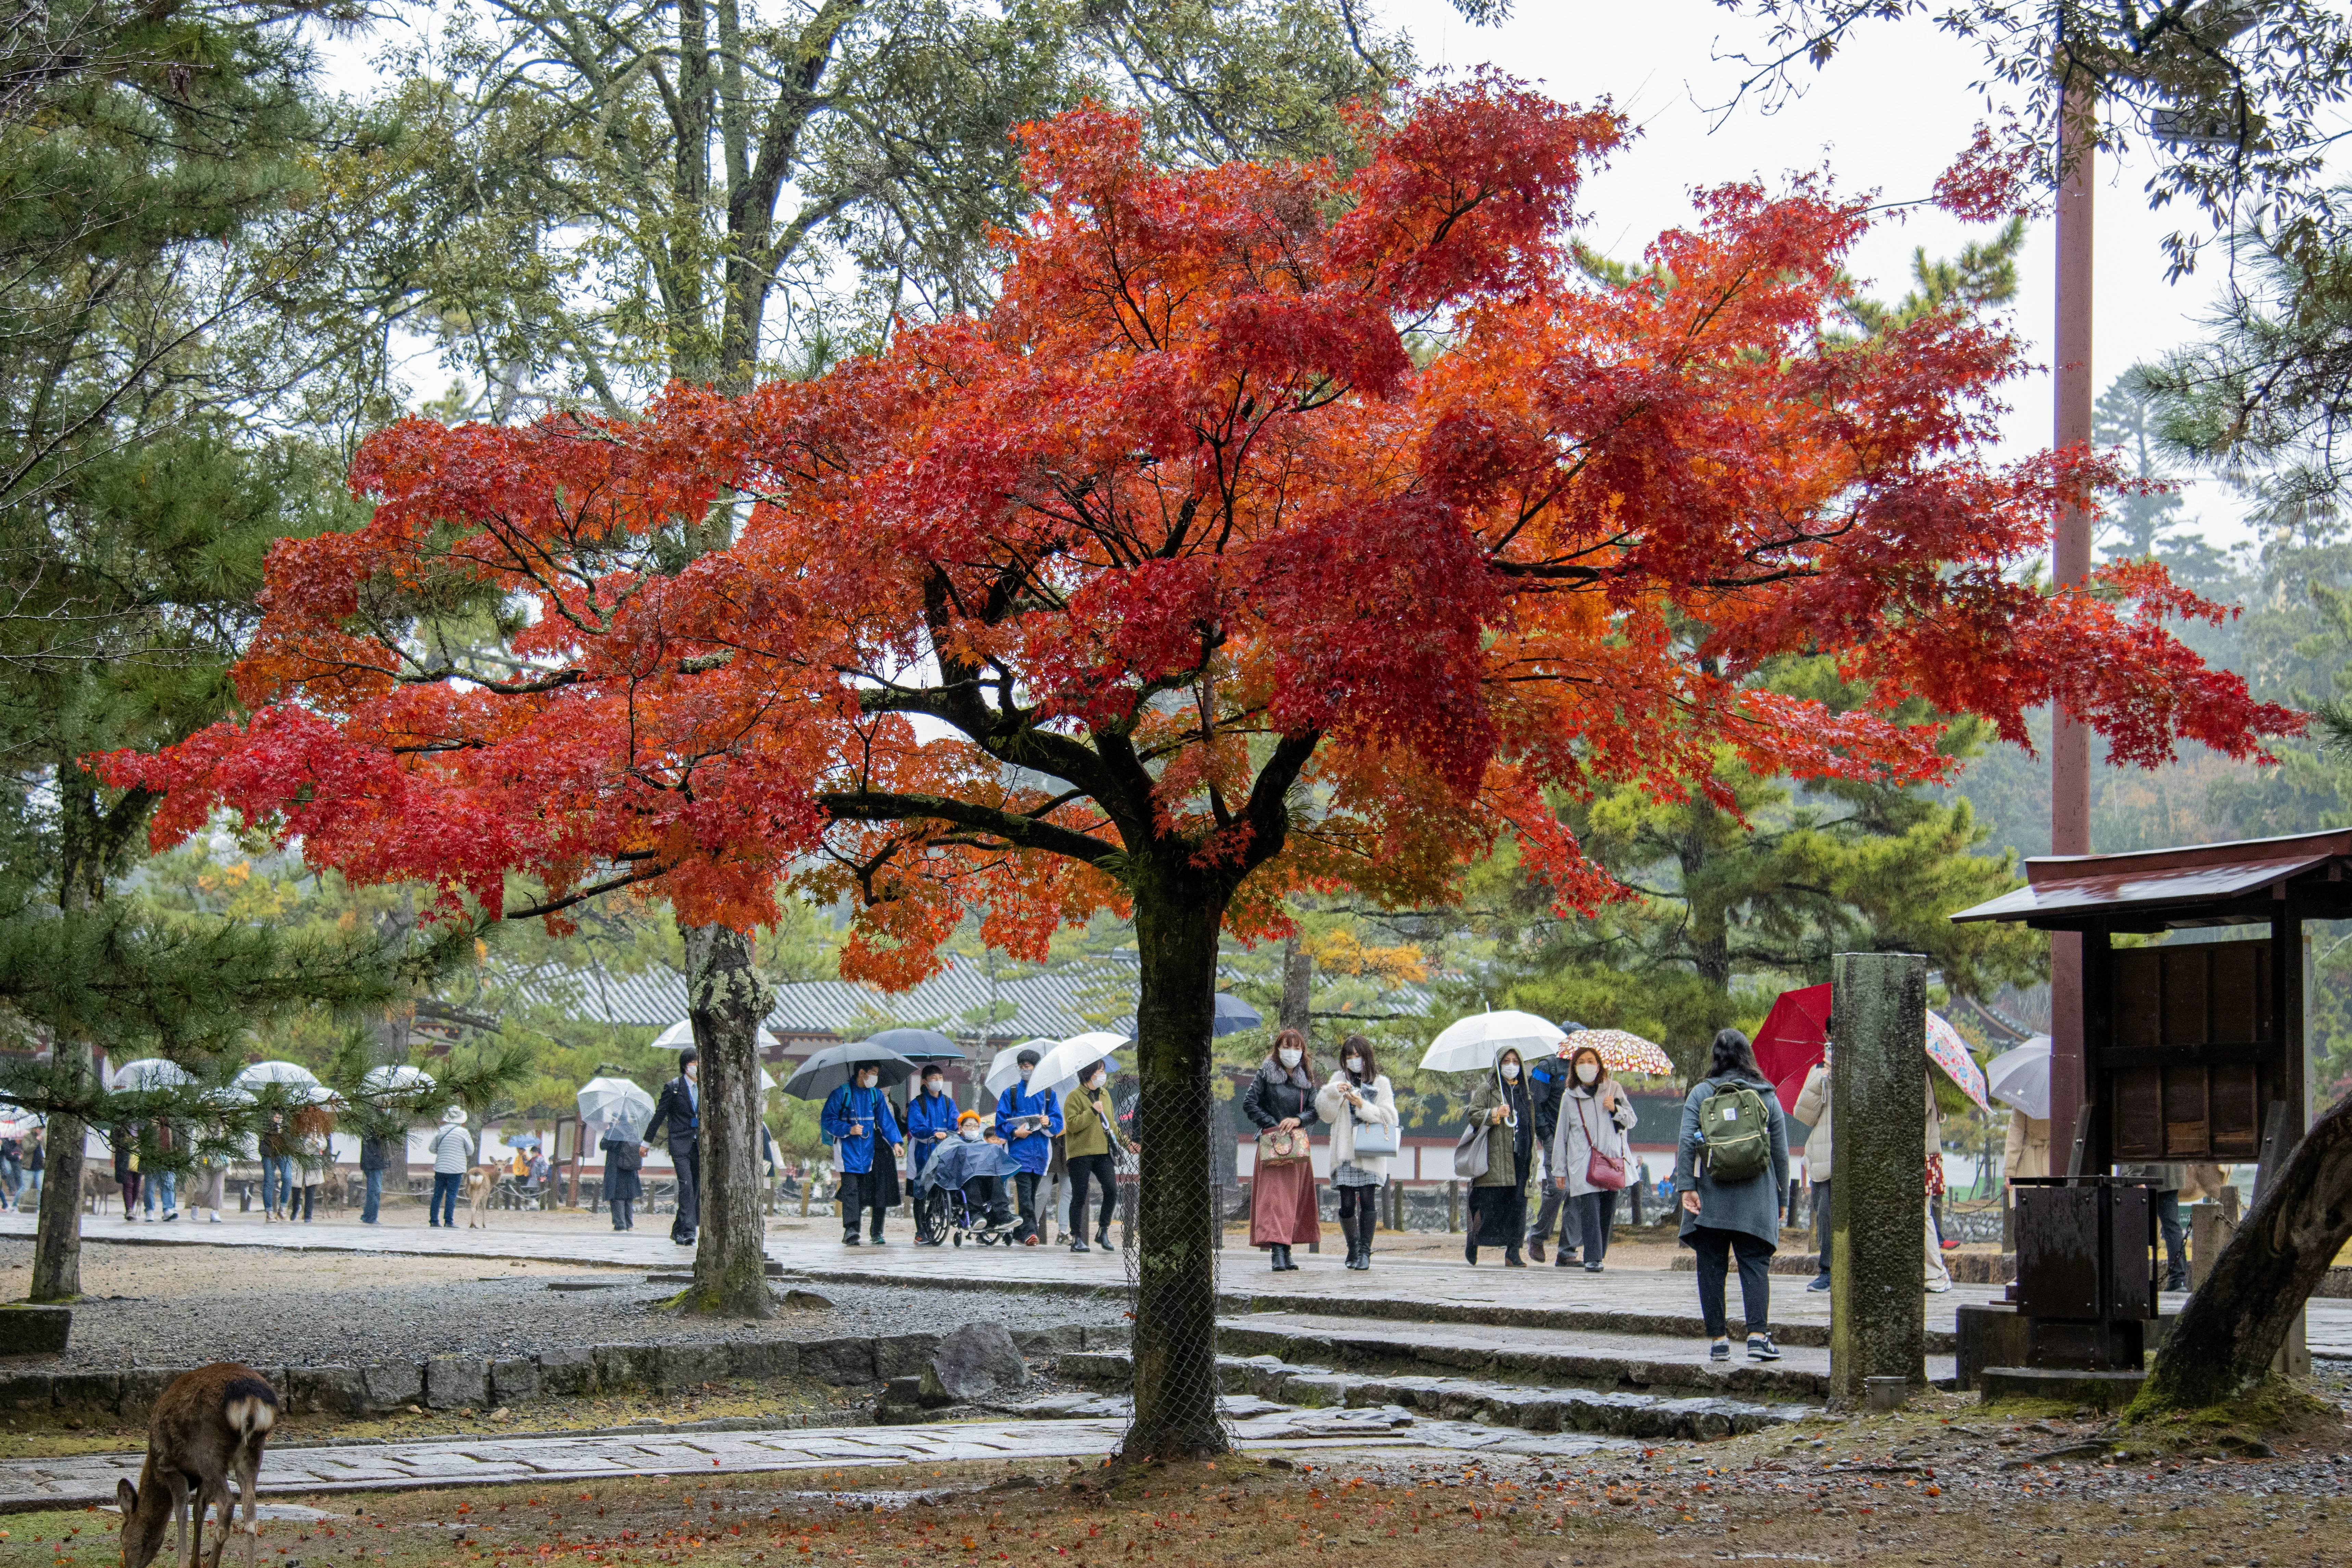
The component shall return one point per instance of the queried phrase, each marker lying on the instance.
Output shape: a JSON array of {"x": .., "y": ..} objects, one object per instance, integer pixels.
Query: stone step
[
  {"x": 1373, "y": 1345},
  {"x": 1462, "y": 1399}
]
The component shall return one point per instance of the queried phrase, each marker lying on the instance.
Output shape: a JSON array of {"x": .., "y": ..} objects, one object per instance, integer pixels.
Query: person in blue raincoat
[
  {"x": 1028, "y": 1122},
  {"x": 931, "y": 1118},
  {"x": 858, "y": 1119}
]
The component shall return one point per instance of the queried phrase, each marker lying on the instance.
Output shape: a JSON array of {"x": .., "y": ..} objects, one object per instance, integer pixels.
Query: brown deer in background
[{"x": 210, "y": 1425}]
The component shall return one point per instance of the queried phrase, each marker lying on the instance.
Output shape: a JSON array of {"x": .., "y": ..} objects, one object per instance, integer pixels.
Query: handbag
[
  {"x": 1375, "y": 1138},
  {"x": 1278, "y": 1146},
  {"x": 1604, "y": 1170},
  {"x": 1470, "y": 1151}
]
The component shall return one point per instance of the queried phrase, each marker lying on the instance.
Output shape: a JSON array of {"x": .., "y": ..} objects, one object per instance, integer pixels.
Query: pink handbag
[{"x": 1606, "y": 1172}]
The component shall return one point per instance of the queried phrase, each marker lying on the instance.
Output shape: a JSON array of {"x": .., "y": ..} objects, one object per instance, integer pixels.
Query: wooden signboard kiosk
[{"x": 2184, "y": 1052}]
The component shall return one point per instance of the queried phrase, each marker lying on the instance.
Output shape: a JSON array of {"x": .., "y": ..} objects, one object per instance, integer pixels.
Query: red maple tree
[{"x": 1280, "y": 527}]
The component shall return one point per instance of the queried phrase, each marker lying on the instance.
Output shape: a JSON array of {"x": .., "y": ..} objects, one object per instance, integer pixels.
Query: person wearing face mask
[
  {"x": 1499, "y": 1196},
  {"x": 858, "y": 1119},
  {"x": 962, "y": 1181},
  {"x": 930, "y": 1121},
  {"x": 1028, "y": 1121},
  {"x": 1358, "y": 1096},
  {"x": 678, "y": 1115},
  {"x": 1589, "y": 1140},
  {"x": 1812, "y": 1109},
  {"x": 1547, "y": 1081},
  {"x": 1089, "y": 1133},
  {"x": 1281, "y": 1100}
]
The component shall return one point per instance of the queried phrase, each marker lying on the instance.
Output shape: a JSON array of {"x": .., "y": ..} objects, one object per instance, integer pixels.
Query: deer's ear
[{"x": 127, "y": 1495}]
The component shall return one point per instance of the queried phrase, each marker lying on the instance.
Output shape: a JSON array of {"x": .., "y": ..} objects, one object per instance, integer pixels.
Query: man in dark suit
[{"x": 678, "y": 1112}]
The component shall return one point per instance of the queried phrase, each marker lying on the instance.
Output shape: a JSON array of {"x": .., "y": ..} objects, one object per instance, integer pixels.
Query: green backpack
[{"x": 1736, "y": 1134}]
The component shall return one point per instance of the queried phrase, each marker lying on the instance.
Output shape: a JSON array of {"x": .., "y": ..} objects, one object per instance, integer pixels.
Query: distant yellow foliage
[{"x": 1340, "y": 953}]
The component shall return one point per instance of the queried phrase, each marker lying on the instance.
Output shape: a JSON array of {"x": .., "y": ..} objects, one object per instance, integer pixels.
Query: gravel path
[{"x": 172, "y": 1306}]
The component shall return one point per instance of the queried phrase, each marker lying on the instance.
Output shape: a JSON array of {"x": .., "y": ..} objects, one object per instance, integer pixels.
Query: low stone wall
[{"x": 458, "y": 1383}]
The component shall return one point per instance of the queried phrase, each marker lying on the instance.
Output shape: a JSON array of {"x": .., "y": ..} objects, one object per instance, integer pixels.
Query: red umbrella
[{"x": 1789, "y": 1045}]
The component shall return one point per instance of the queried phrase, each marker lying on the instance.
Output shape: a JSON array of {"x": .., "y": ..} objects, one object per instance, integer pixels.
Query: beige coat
[
  {"x": 2027, "y": 1153},
  {"x": 1379, "y": 1106},
  {"x": 1812, "y": 1109}
]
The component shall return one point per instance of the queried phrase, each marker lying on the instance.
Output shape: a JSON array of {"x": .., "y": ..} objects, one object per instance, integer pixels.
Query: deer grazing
[{"x": 210, "y": 1425}]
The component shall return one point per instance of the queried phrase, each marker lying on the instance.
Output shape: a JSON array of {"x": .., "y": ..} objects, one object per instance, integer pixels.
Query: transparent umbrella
[
  {"x": 1472, "y": 1043},
  {"x": 300, "y": 1082},
  {"x": 620, "y": 1106},
  {"x": 151, "y": 1072},
  {"x": 397, "y": 1079},
  {"x": 680, "y": 1035},
  {"x": 1059, "y": 1069},
  {"x": 1005, "y": 1070}
]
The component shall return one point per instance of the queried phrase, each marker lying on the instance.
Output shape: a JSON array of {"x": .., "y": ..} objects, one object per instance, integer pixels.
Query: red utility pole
[{"x": 2070, "y": 746}]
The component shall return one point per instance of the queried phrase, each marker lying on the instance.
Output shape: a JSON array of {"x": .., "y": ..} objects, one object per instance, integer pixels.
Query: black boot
[
  {"x": 1281, "y": 1256},
  {"x": 1102, "y": 1236},
  {"x": 1348, "y": 1235},
  {"x": 1363, "y": 1242},
  {"x": 1470, "y": 1249}
]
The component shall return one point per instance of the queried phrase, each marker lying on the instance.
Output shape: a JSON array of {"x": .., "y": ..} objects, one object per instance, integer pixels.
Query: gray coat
[{"x": 1752, "y": 1205}]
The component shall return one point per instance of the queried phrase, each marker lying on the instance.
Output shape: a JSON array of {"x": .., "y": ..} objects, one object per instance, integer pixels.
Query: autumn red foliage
[{"x": 1279, "y": 527}]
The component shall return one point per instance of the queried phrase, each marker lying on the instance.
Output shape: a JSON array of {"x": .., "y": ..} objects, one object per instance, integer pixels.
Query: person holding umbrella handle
[{"x": 854, "y": 1115}]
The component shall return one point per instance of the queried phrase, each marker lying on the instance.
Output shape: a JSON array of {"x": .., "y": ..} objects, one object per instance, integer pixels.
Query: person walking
[
  {"x": 1498, "y": 1195},
  {"x": 857, "y": 1117},
  {"x": 931, "y": 1118},
  {"x": 1937, "y": 1276},
  {"x": 11, "y": 1170},
  {"x": 624, "y": 1157},
  {"x": 1547, "y": 1080},
  {"x": 1280, "y": 1104},
  {"x": 1812, "y": 1109},
  {"x": 36, "y": 1160},
  {"x": 159, "y": 1187},
  {"x": 678, "y": 1115},
  {"x": 207, "y": 1186},
  {"x": 313, "y": 1125},
  {"x": 375, "y": 1158},
  {"x": 1731, "y": 1167},
  {"x": 277, "y": 1166},
  {"x": 1358, "y": 1097},
  {"x": 1089, "y": 1135},
  {"x": 1589, "y": 1148},
  {"x": 452, "y": 1148},
  {"x": 1027, "y": 1122},
  {"x": 125, "y": 1139}
]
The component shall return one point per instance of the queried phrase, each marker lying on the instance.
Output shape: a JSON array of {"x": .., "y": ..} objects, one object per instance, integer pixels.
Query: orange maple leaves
[{"x": 1176, "y": 559}]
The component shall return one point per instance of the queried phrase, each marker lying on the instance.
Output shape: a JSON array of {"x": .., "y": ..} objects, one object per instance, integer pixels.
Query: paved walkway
[
  {"x": 1404, "y": 1289},
  {"x": 83, "y": 1479}
]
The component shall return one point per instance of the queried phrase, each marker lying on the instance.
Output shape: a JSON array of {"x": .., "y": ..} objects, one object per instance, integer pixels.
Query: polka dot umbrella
[{"x": 1622, "y": 1051}]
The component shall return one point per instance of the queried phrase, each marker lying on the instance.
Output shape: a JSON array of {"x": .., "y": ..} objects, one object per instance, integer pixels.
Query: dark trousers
[
  {"x": 688, "y": 1161},
  {"x": 2176, "y": 1241},
  {"x": 1025, "y": 1189},
  {"x": 1555, "y": 1203},
  {"x": 623, "y": 1218},
  {"x": 1822, "y": 1224},
  {"x": 1713, "y": 1247},
  {"x": 441, "y": 1209},
  {"x": 374, "y": 1199},
  {"x": 130, "y": 1193},
  {"x": 1083, "y": 1169},
  {"x": 860, "y": 1191},
  {"x": 1596, "y": 1210}
]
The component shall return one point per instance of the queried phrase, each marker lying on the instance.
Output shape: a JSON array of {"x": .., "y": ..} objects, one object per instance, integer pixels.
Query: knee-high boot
[{"x": 1348, "y": 1223}]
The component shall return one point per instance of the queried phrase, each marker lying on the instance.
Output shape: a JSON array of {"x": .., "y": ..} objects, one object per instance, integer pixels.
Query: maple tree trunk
[
  {"x": 2236, "y": 1321},
  {"x": 1175, "y": 1416},
  {"x": 57, "y": 1246},
  {"x": 727, "y": 1002}
]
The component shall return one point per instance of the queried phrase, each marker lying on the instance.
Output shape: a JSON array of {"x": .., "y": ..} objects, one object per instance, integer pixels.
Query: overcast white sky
[{"x": 1889, "y": 114}]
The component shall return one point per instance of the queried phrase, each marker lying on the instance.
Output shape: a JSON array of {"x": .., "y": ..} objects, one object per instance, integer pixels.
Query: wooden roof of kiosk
[{"x": 2194, "y": 1051}]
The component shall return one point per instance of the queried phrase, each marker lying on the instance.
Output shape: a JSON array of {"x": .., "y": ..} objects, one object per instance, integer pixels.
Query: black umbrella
[
  {"x": 919, "y": 1044},
  {"x": 1233, "y": 1013},
  {"x": 831, "y": 1067}
]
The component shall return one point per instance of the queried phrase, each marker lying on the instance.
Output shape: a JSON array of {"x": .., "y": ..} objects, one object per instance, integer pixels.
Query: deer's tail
[{"x": 250, "y": 1407}]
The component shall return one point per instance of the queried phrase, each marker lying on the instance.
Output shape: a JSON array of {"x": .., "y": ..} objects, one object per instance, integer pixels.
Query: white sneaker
[
  {"x": 1937, "y": 1287},
  {"x": 216, "y": 1219}
]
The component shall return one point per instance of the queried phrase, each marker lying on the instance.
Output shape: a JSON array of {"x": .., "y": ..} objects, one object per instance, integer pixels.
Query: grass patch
[{"x": 2273, "y": 1409}]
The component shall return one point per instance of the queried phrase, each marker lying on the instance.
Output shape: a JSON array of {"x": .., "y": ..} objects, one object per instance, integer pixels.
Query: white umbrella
[
  {"x": 617, "y": 1102},
  {"x": 2020, "y": 1076},
  {"x": 1059, "y": 1069},
  {"x": 152, "y": 1072},
  {"x": 1472, "y": 1043},
  {"x": 1005, "y": 1070},
  {"x": 680, "y": 1035},
  {"x": 396, "y": 1079},
  {"x": 303, "y": 1083}
]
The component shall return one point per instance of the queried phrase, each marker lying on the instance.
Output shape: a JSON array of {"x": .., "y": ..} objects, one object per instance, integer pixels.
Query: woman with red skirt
[{"x": 1281, "y": 1103}]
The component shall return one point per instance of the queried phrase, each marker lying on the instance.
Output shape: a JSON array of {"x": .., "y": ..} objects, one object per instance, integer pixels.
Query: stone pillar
[{"x": 1878, "y": 1066}]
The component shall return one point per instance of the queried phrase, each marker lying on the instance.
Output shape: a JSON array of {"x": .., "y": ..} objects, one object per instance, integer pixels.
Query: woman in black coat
[
  {"x": 1281, "y": 1098},
  {"x": 623, "y": 1156}
]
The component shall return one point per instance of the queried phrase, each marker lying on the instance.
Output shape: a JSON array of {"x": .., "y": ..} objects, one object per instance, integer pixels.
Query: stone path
[
  {"x": 1422, "y": 1289},
  {"x": 83, "y": 1479}
]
